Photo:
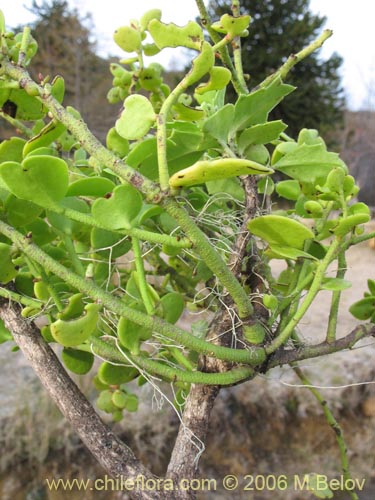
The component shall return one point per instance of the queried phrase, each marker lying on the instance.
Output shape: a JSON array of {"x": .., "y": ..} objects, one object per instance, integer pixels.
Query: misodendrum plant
[{"x": 175, "y": 192}]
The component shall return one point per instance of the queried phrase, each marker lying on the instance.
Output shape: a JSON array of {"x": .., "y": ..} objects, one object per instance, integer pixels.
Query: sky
[{"x": 351, "y": 21}]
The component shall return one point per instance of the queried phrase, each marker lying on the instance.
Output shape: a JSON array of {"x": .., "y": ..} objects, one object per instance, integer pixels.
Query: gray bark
[{"x": 114, "y": 456}]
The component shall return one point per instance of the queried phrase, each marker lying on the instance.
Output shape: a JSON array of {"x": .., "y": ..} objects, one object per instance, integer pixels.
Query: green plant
[{"x": 170, "y": 195}]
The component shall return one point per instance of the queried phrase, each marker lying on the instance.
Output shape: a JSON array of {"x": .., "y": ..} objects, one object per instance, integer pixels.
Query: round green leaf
[
  {"x": 40, "y": 179},
  {"x": 280, "y": 231},
  {"x": 116, "y": 375},
  {"x": 149, "y": 16},
  {"x": 232, "y": 25},
  {"x": 289, "y": 190},
  {"x": 127, "y": 38},
  {"x": 104, "y": 401},
  {"x": 118, "y": 211},
  {"x": 74, "y": 332},
  {"x": 7, "y": 269},
  {"x": 11, "y": 149},
  {"x": 21, "y": 212},
  {"x": 131, "y": 403},
  {"x": 119, "y": 399},
  {"x": 173, "y": 306},
  {"x": 136, "y": 119},
  {"x": 335, "y": 284},
  {"x": 116, "y": 143},
  {"x": 74, "y": 308},
  {"x": 363, "y": 309},
  {"x": 219, "y": 79},
  {"x": 91, "y": 186},
  {"x": 79, "y": 362},
  {"x": 107, "y": 243},
  {"x": 45, "y": 137},
  {"x": 349, "y": 223},
  {"x": 131, "y": 335}
]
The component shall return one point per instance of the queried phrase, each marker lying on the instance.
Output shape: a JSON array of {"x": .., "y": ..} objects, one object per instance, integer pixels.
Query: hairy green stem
[
  {"x": 253, "y": 356},
  {"x": 294, "y": 59},
  {"x": 335, "y": 302},
  {"x": 211, "y": 258},
  {"x": 109, "y": 351},
  {"x": 311, "y": 294},
  {"x": 332, "y": 422}
]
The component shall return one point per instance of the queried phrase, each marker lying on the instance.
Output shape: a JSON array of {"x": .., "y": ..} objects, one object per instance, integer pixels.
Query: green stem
[
  {"x": 294, "y": 59},
  {"x": 311, "y": 294},
  {"x": 359, "y": 239},
  {"x": 237, "y": 54},
  {"x": 222, "y": 43},
  {"x": 332, "y": 422},
  {"x": 16, "y": 297},
  {"x": 142, "y": 234},
  {"x": 17, "y": 124},
  {"x": 109, "y": 351},
  {"x": 24, "y": 45},
  {"x": 211, "y": 258},
  {"x": 180, "y": 358},
  {"x": 161, "y": 134},
  {"x": 336, "y": 296},
  {"x": 143, "y": 285},
  {"x": 54, "y": 295},
  {"x": 224, "y": 54},
  {"x": 77, "y": 264},
  {"x": 253, "y": 357},
  {"x": 81, "y": 132}
]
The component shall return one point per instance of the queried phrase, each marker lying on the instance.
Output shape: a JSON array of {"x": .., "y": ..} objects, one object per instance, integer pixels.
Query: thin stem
[
  {"x": 311, "y": 294},
  {"x": 294, "y": 59},
  {"x": 287, "y": 356},
  {"x": 224, "y": 54},
  {"x": 332, "y": 422},
  {"x": 108, "y": 351},
  {"x": 77, "y": 264},
  {"x": 143, "y": 285},
  {"x": 142, "y": 234},
  {"x": 21, "y": 299},
  {"x": 54, "y": 295},
  {"x": 237, "y": 54},
  {"x": 254, "y": 356},
  {"x": 24, "y": 44},
  {"x": 17, "y": 124},
  {"x": 161, "y": 134},
  {"x": 211, "y": 258},
  {"x": 181, "y": 359},
  {"x": 359, "y": 239},
  {"x": 223, "y": 42},
  {"x": 336, "y": 296}
]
